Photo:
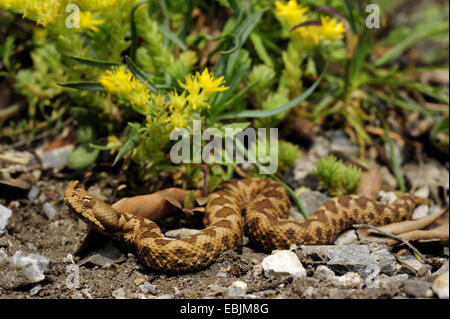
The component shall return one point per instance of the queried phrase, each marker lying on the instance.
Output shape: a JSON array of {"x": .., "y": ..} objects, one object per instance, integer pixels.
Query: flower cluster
[
  {"x": 121, "y": 82},
  {"x": 41, "y": 11},
  {"x": 201, "y": 87},
  {"x": 46, "y": 12},
  {"x": 295, "y": 14}
]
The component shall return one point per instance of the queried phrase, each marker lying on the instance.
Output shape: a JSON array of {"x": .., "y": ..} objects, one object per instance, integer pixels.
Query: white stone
[
  {"x": 324, "y": 273},
  {"x": 440, "y": 286},
  {"x": 20, "y": 270},
  {"x": 420, "y": 211},
  {"x": 237, "y": 289},
  {"x": 57, "y": 158},
  {"x": 283, "y": 262},
  {"x": 349, "y": 280},
  {"x": 49, "y": 211},
  {"x": 148, "y": 287},
  {"x": 5, "y": 214}
]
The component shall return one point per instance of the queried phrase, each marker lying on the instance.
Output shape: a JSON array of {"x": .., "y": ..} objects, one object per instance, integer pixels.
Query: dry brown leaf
[
  {"x": 434, "y": 227},
  {"x": 156, "y": 206},
  {"x": 371, "y": 182}
]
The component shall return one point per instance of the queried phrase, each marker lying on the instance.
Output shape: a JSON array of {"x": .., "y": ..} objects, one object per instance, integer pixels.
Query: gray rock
[
  {"x": 294, "y": 214},
  {"x": 147, "y": 287},
  {"x": 5, "y": 214},
  {"x": 302, "y": 174},
  {"x": 416, "y": 288},
  {"x": 340, "y": 144},
  {"x": 104, "y": 257},
  {"x": 281, "y": 263},
  {"x": 33, "y": 193},
  {"x": 413, "y": 266},
  {"x": 440, "y": 286},
  {"x": 387, "y": 263},
  {"x": 313, "y": 200},
  {"x": 57, "y": 158},
  {"x": 20, "y": 270},
  {"x": 35, "y": 290},
  {"x": 237, "y": 289},
  {"x": 390, "y": 283},
  {"x": 181, "y": 233},
  {"x": 324, "y": 273},
  {"x": 352, "y": 258},
  {"x": 347, "y": 237},
  {"x": 49, "y": 210}
]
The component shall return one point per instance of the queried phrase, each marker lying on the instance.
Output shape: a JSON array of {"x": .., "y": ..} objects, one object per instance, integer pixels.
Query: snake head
[{"x": 90, "y": 209}]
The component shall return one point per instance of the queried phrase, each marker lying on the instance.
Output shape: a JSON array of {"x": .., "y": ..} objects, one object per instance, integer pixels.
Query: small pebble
[
  {"x": 349, "y": 280},
  {"x": 324, "y": 273},
  {"x": 20, "y": 270},
  {"x": 35, "y": 290},
  {"x": 237, "y": 289},
  {"x": 346, "y": 238},
  {"x": 416, "y": 288},
  {"x": 283, "y": 262},
  {"x": 33, "y": 193},
  {"x": 119, "y": 293},
  {"x": 5, "y": 214},
  {"x": 440, "y": 286},
  {"x": 49, "y": 210}
]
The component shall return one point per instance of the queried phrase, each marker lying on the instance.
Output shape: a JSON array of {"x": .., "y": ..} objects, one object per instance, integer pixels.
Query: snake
[{"x": 264, "y": 203}]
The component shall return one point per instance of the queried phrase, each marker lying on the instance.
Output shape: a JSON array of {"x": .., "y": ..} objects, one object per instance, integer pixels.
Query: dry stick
[{"x": 357, "y": 226}]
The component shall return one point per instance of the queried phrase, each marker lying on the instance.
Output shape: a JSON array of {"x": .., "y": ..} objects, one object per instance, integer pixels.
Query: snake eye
[{"x": 88, "y": 202}]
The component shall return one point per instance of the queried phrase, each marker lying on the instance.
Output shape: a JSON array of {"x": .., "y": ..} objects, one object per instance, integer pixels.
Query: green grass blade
[
  {"x": 402, "y": 46},
  {"x": 281, "y": 109},
  {"x": 95, "y": 63},
  {"x": 172, "y": 36},
  {"x": 140, "y": 74},
  {"x": 83, "y": 86}
]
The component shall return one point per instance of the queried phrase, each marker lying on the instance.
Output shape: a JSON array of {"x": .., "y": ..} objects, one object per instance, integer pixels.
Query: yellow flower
[
  {"x": 177, "y": 102},
  {"x": 178, "y": 119},
  {"x": 331, "y": 29},
  {"x": 122, "y": 83},
  {"x": 291, "y": 12},
  {"x": 197, "y": 101},
  {"x": 208, "y": 84},
  {"x": 88, "y": 22},
  {"x": 201, "y": 87},
  {"x": 192, "y": 85}
]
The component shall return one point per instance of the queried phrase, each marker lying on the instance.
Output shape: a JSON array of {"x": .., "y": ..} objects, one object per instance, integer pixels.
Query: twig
[{"x": 414, "y": 249}]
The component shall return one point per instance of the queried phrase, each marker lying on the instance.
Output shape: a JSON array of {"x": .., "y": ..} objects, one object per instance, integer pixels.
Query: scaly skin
[{"x": 266, "y": 205}]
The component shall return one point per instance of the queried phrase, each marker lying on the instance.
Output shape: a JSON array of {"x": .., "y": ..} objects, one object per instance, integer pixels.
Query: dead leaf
[
  {"x": 371, "y": 182},
  {"x": 430, "y": 228}
]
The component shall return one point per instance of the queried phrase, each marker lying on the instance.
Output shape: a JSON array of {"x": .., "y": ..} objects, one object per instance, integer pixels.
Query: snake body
[{"x": 265, "y": 204}]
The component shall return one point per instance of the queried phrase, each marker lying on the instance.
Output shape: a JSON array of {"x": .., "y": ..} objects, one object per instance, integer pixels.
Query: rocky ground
[{"x": 38, "y": 236}]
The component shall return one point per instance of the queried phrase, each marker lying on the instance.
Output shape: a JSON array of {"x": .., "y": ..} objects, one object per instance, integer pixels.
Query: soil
[{"x": 30, "y": 231}]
